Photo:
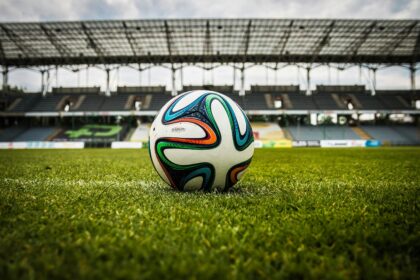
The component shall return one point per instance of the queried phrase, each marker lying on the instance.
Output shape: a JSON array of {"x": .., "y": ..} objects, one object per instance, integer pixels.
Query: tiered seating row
[{"x": 386, "y": 100}]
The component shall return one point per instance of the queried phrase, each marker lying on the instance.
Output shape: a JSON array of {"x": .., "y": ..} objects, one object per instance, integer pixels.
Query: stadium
[
  {"x": 332, "y": 191},
  {"x": 290, "y": 115}
]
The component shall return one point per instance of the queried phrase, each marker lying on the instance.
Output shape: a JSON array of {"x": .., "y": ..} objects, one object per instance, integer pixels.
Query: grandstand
[
  {"x": 291, "y": 112},
  {"x": 259, "y": 102}
]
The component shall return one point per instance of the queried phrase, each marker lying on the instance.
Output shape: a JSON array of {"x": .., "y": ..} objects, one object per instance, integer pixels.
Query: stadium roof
[{"x": 210, "y": 40}]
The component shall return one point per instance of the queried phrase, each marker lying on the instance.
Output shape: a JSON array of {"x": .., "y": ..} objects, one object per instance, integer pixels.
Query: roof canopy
[{"x": 210, "y": 40}]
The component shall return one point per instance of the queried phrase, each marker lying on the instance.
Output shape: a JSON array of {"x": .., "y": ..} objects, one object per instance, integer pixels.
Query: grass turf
[{"x": 313, "y": 213}]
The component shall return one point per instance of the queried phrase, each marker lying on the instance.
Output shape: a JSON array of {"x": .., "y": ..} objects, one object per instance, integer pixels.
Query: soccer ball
[{"x": 201, "y": 140}]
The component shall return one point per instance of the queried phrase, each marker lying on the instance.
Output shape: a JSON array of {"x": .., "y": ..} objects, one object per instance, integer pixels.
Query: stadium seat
[
  {"x": 47, "y": 103},
  {"x": 9, "y": 134},
  {"x": 388, "y": 134},
  {"x": 35, "y": 134},
  {"x": 312, "y": 133}
]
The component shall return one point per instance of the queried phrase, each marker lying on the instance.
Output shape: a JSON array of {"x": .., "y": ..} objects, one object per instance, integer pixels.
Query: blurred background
[{"x": 95, "y": 73}]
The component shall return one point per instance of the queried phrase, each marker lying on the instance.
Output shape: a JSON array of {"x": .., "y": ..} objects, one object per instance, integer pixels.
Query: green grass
[{"x": 298, "y": 213}]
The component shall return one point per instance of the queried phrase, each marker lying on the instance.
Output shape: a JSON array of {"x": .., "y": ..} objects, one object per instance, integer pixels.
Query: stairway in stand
[{"x": 362, "y": 134}]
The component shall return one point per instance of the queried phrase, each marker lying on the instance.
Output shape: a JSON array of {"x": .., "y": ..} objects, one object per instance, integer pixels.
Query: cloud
[{"x": 29, "y": 10}]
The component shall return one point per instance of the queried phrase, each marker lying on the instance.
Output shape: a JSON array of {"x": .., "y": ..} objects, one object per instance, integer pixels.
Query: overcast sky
[{"x": 45, "y": 10}]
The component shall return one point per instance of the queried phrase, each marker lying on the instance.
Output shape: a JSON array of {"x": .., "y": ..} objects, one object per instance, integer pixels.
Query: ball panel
[
  {"x": 187, "y": 98},
  {"x": 239, "y": 114},
  {"x": 184, "y": 128},
  {"x": 242, "y": 141},
  {"x": 194, "y": 184},
  {"x": 236, "y": 172}
]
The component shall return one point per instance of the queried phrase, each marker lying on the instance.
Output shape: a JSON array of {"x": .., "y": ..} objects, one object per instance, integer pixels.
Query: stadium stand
[
  {"x": 259, "y": 98},
  {"x": 102, "y": 133},
  {"x": 159, "y": 100},
  {"x": 327, "y": 97},
  {"x": 312, "y": 133},
  {"x": 6, "y": 101},
  {"x": 225, "y": 89},
  {"x": 299, "y": 101},
  {"x": 307, "y": 133},
  {"x": 24, "y": 103},
  {"x": 264, "y": 97},
  {"x": 394, "y": 100},
  {"x": 267, "y": 131},
  {"x": 393, "y": 134},
  {"x": 141, "y": 133},
  {"x": 35, "y": 134},
  {"x": 9, "y": 134},
  {"x": 91, "y": 103},
  {"x": 47, "y": 103},
  {"x": 254, "y": 101},
  {"x": 76, "y": 90},
  {"x": 115, "y": 103},
  {"x": 78, "y": 99},
  {"x": 410, "y": 133},
  {"x": 363, "y": 101},
  {"x": 326, "y": 101},
  {"x": 151, "y": 97}
]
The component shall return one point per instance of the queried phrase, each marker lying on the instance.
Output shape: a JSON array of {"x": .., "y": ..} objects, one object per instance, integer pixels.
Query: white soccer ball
[{"x": 201, "y": 140}]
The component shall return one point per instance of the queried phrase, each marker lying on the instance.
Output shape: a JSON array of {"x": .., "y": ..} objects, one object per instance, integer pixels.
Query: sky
[{"x": 63, "y": 10}]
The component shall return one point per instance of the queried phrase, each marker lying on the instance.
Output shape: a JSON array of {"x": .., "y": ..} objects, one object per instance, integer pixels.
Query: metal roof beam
[
  {"x": 192, "y": 59},
  {"x": 91, "y": 42},
  {"x": 168, "y": 38},
  {"x": 281, "y": 45},
  {"x": 130, "y": 39},
  {"x": 317, "y": 48},
  {"x": 247, "y": 37},
  {"x": 27, "y": 51},
  {"x": 63, "y": 50},
  {"x": 2, "y": 55},
  {"x": 390, "y": 48},
  {"x": 208, "y": 48},
  {"x": 355, "y": 45},
  {"x": 416, "y": 50}
]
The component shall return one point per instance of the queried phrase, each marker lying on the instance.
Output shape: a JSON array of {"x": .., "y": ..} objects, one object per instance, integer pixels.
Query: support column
[
  {"x": 47, "y": 82},
  {"x": 181, "y": 76},
  {"x": 56, "y": 76},
  {"x": 174, "y": 93},
  {"x": 78, "y": 77},
  {"x": 87, "y": 76},
  {"x": 242, "y": 88},
  {"x": 308, "y": 81},
  {"x": 140, "y": 73},
  {"x": 373, "y": 82},
  {"x": 276, "y": 72},
  {"x": 5, "y": 78},
  {"x": 266, "y": 75},
  {"x": 298, "y": 75},
  {"x": 338, "y": 76},
  {"x": 234, "y": 76},
  {"x": 413, "y": 77},
  {"x": 107, "y": 88},
  {"x": 43, "y": 91},
  {"x": 149, "y": 75},
  {"x": 329, "y": 74}
]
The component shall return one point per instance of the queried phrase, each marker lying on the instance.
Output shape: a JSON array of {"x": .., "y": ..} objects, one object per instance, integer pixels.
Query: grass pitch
[{"x": 313, "y": 213}]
